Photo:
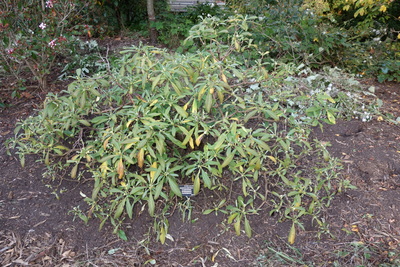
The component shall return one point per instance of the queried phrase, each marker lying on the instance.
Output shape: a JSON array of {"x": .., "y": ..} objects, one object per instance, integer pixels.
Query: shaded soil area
[{"x": 39, "y": 228}]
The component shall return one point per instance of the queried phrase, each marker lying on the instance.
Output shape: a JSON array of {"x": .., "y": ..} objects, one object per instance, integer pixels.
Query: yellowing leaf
[
  {"x": 272, "y": 158},
  {"x": 106, "y": 143},
  {"x": 331, "y": 118},
  {"x": 330, "y": 99},
  {"x": 120, "y": 168},
  {"x": 257, "y": 166},
  {"x": 191, "y": 143},
  {"x": 220, "y": 96},
  {"x": 198, "y": 139},
  {"x": 382, "y": 8},
  {"x": 75, "y": 157},
  {"x": 292, "y": 235},
  {"x": 153, "y": 102},
  {"x": 224, "y": 79},
  {"x": 103, "y": 168},
  {"x": 194, "y": 106},
  {"x": 163, "y": 235},
  {"x": 215, "y": 255},
  {"x": 74, "y": 171},
  {"x": 202, "y": 91},
  {"x": 140, "y": 158},
  {"x": 153, "y": 173}
]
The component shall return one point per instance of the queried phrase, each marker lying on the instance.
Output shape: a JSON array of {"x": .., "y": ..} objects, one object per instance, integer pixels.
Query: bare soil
[{"x": 38, "y": 229}]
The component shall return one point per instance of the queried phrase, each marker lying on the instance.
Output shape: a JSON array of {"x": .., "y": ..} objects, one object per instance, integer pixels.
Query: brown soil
[{"x": 38, "y": 229}]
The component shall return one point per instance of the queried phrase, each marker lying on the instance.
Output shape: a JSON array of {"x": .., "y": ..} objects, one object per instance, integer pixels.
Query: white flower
[
  {"x": 42, "y": 26},
  {"x": 52, "y": 43},
  {"x": 49, "y": 4}
]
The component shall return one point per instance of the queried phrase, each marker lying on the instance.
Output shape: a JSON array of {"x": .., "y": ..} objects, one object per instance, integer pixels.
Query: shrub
[{"x": 158, "y": 120}]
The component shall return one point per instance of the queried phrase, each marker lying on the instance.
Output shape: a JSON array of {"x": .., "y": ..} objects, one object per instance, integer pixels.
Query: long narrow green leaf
[
  {"x": 119, "y": 209},
  {"x": 174, "y": 186},
  {"x": 155, "y": 81},
  {"x": 221, "y": 139},
  {"x": 272, "y": 114},
  {"x": 181, "y": 111},
  {"x": 237, "y": 226},
  {"x": 196, "y": 185},
  {"x": 247, "y": 227},
  {"x": 228, "y": 159},
  {"x": 151, "y": 204}
]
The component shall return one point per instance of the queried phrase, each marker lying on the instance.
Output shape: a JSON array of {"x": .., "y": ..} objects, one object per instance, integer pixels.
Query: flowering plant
[{"x": 33, "y": 34}]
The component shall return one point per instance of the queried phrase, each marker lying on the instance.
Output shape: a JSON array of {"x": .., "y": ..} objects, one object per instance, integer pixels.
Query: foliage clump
[
  {"x": 35, "y": 36},
  {"x": 157, "y": 120}
]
